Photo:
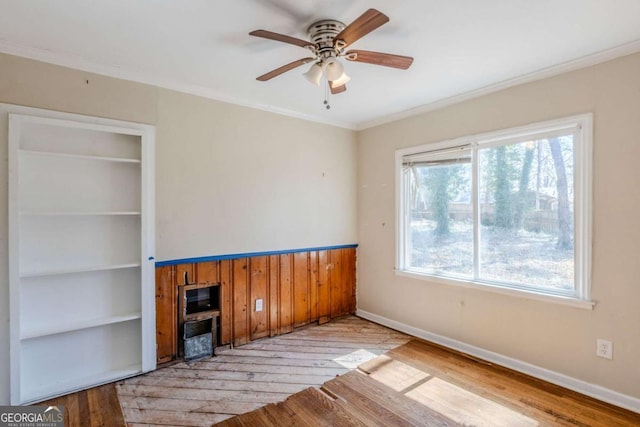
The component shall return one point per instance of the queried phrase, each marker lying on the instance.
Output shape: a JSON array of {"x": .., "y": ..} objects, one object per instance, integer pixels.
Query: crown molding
[
  {"x": 554, "y": 70},
  {"x": 116, "y": 71}
]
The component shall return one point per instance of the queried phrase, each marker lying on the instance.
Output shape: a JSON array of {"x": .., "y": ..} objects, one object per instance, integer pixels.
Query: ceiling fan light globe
[
  {"x": 314, "y": 74},
  {"x": 340, "y": 80},
  {"x": 333, "y": 69}
]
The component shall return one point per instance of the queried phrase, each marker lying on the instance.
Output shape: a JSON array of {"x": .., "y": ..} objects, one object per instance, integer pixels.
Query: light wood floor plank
[
  {"x": 256, "y": 360},
  {"x": 229, "y": 406},
  {"x": 329, "y": 348},
  {"x": 128, "y": 391},
  {"x": 242, "y": 352},
  {"x": 262, "y": 368},
  {"x": 212, "y": 384},
  {"x": 242, "y": 376},
  {"x": 173, "y": 418}
]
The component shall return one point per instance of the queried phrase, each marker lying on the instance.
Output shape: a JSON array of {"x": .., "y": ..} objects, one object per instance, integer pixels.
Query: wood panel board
[
  {"x": 301, "y": 290},
  {"x": 240, "y": 300},
  {"x": 166, "y": 314},
  {"x": 286, "y": 294},
  {"x": 323, "y": 287},
  {"x": 313, "y": 286},
  {"x": 259, "y": 289},
  {"x": 274, "y": 295},
  {"x": 207, "y": 272},
  {"x": 185, "y": 274},
  {"x": 226, "y": 277}
]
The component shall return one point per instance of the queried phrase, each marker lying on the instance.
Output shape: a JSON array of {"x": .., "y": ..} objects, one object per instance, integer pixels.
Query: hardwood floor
[
  {"x": 492, "y": 390},
  {"x": 292, "y": 380},
  {"x": 242, "y": 379},
  {"x": 96, "y": 407},
  {"x": 422, "y": 384}
]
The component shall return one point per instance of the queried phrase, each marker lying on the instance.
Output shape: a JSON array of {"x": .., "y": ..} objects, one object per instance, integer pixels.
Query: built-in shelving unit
[{"x": 81, "y": 250}]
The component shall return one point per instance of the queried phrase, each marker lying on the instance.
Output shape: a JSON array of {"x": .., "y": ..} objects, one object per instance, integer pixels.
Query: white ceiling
[{"x": 461, "y": 47}]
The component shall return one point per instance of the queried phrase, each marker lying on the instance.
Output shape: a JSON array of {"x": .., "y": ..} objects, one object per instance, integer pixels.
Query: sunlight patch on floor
[
  {"x": 465, "y": 407},
  {"x": 457, "y": 404},
  {"x": 355, "y": 358},
  {"x": 397, "y": 375}
]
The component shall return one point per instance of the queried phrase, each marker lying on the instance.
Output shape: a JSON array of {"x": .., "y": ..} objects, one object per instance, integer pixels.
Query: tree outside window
[{"x": 499, "y": 210}]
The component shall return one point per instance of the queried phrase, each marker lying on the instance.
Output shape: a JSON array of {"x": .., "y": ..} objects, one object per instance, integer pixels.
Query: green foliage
[
  {"x": 504, "y": 218},
  {"x": 443, "y": 184},
  {"x": 527, "y": 162},
  {"x": 440, "y": 199},
  {"x": 564, "y": 212}
]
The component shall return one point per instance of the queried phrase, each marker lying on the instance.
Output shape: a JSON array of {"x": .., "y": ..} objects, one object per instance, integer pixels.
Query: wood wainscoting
[{"x": 296, "y": 288}]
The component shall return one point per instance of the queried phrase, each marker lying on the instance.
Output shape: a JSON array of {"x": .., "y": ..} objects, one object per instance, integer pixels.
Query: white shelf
[
  {"x": 80, "y": 270},
  {"x": 79, "y": 156},
  {"x": 53, "y": 390},
  {"x": 76, "y": 326},
  {"x": 80, "y": 243},
  {"x": 78, "y": 213}
]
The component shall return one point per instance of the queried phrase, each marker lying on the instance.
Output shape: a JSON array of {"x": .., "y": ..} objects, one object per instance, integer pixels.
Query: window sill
[{"x": 520, "y": 293}]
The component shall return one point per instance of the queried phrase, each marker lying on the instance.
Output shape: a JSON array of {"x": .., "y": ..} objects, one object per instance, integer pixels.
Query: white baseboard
[{"x": 592, "y": 390}]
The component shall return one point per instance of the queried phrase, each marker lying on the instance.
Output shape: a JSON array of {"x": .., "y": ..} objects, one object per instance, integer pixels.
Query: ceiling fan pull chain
[{"x": 326, "y": 97}]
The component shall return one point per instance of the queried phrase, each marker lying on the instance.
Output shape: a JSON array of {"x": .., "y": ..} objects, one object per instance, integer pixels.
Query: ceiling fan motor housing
[{"x": 322, "y": 33}]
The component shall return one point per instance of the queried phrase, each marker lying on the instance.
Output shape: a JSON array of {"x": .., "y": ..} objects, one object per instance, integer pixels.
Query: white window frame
[{"x": 582, "y": 128}]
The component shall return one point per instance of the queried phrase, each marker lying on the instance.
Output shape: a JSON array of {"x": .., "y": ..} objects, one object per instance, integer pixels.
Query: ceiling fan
[{"x": 328, "y": 40}]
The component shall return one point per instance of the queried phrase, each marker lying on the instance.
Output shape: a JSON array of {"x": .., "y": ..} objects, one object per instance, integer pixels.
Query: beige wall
[
  {"x": 229, "y": 179},
  {"x": 232, "y": 179},
  {"x": 551, "y": 336}
]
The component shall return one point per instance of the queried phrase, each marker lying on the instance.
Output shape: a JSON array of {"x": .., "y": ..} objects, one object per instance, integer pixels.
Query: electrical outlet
[
  {"x": 258, "y": 305},
  {"x": 604, "y": 349}
]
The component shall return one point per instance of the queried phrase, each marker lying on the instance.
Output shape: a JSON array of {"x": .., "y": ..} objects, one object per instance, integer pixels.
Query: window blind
[{"x": 445, "y": 156}]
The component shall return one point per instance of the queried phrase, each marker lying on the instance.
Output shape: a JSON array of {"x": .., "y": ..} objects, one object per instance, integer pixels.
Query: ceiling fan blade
[
  {"x": 338, "y": 89},
  {"x": 275, "y": 73},
  {"x": 363, "y": 25},
  {"x": 379, "y": 58},
  {"x": 280, "y": 38}
]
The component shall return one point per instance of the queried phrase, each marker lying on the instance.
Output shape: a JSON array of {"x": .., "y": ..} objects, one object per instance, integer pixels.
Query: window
[{"x": 508, "y": 210}]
